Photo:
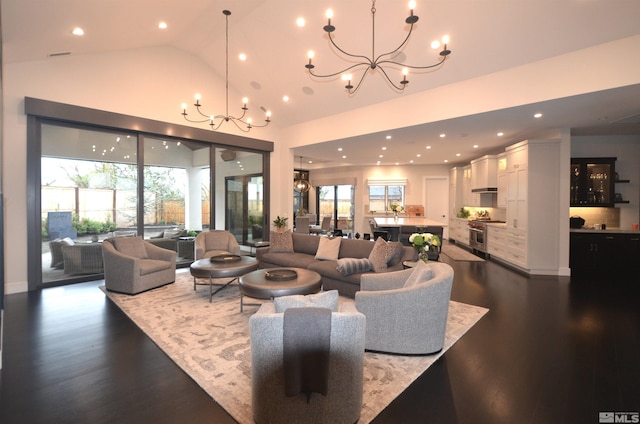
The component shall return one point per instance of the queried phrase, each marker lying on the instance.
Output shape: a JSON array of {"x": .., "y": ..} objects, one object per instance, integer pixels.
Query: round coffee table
[
  {"x": 206, "y": 268},
  {"x": 256, "y": 285}
]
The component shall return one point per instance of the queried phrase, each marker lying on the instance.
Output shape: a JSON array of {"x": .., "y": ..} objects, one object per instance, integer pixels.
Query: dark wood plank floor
[{"x": 551, "y": 350}]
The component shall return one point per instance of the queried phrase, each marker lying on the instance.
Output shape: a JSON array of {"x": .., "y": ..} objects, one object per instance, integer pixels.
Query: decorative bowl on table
[
  {"x": 280, "y": 274},
  {"x": 222, "y": 259}
]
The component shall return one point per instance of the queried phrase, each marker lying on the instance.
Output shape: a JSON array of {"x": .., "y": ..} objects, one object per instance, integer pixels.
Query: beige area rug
[
  {"x": 458, "y": 254},
  {"x": 210, "y": 342}
]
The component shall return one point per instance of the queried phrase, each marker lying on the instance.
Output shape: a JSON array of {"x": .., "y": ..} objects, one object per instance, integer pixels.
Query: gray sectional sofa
[{"x": 305, "y": 247}]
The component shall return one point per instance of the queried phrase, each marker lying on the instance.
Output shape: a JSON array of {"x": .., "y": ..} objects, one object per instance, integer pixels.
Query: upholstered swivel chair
[
  {"x": 406, "y": 310},
  {"x": 343, "y": 401},
  {"x": 132, "y": 265},
  {"x": 215, "y": 242}
]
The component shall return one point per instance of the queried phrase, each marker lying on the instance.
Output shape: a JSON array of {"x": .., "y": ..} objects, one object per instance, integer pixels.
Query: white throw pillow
[{"x": 328, "y": 249}]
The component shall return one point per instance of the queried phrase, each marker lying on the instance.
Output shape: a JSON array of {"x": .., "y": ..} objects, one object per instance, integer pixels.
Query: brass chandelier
[
  {"x": 377, "y": 62},
  {"x": 215, "y": 121}
]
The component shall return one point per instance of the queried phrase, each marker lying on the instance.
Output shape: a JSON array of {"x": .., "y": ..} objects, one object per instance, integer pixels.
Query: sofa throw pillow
[
  {"x": 380, "y": 255},
  {"x": 348, "y": 266},
  {"x": 131, "y": 246},
  {"x": 281, "y": 242},
  {"x": 397, "y": 254},
  {"x": 421, "y": 272},
  {"x": 328, "y": 249},
  {"x": 327, "y": 299}
]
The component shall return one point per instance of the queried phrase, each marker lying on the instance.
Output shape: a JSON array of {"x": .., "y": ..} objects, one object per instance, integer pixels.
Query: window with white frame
[{"x": 383, "y": 193}]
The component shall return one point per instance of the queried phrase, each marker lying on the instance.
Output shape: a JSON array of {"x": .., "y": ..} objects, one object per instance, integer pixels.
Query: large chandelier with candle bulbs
[
  {"x": 381, "y": 61},
  {"x": 215, "y": 121}
]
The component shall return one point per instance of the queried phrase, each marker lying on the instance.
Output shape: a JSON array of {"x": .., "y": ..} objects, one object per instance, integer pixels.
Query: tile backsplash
[{"x": 592, "y": 216}]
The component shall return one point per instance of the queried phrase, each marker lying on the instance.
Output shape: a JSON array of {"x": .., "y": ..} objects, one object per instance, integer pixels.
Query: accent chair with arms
[
  {"x": 343, "y": 400},
  {"x": 132, "y": 265},
  {"x": 406, "y": 310},
  {"x": 215, "y": 242}
]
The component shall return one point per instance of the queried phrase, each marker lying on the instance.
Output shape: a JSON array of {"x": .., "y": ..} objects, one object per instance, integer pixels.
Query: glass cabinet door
[{"x": 592, "y": 181}]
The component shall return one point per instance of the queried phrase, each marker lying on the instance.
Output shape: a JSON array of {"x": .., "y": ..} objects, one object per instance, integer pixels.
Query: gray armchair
[
  {"x": 132, "y": 265},
  {"x": 406, "y": 313},
  {"x": 343, "y": 402},
  {"x": 215, "y": 242}
]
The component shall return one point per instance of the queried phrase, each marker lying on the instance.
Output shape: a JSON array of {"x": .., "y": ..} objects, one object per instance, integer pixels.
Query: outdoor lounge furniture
[
  {"x": 343, "y": 400},
  {"x": 132, "y": 265},
  {"x": 82, "y": 258},
  {"x": 406, "y": 310},
  {"x": 215, "y": 242}
]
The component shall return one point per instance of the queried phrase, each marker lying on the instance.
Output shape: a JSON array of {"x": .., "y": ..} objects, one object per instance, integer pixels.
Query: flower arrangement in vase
[
  {"x": 396, "y": 209},
  {"x": 423, "y": 242}
]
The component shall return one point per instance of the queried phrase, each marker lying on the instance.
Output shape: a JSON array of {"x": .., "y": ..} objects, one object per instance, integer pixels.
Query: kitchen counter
[{"x": 607, "y": 231}]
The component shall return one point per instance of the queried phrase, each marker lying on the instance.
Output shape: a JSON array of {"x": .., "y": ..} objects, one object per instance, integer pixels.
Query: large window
[
  {"x": 93, "y": 181},
  {"x": 381, "y": 196}
]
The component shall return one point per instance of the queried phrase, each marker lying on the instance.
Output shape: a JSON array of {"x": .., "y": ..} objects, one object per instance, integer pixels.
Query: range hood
[
  {"x": 484, "y": 175},
  {"x": 485, "y": 190}
]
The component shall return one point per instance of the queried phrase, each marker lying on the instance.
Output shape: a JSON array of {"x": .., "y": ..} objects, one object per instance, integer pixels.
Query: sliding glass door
[{"x": 337, "y": 201}]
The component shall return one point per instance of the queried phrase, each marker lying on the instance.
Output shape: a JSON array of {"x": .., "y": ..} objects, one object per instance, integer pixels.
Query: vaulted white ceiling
[{"x": 487, "y": 37}]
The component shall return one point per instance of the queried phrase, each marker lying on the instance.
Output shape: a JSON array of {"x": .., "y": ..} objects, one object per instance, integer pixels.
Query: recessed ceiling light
[
  {"x": 418, "y": 155},
  {"x": 397, "y": 163},
  {"x": 378, "y": 163},
  {"x": 411, "y": 161},
  {"x": 78, "y": 31},
  {"x": 162, "y": 25},
  {"x": 443, "y": 135},
  {"x": 285, "y": 98},
  {"x": 537, "y": 115},
  {"x": 458, "y": 154},
  {"x": 344, "y": 156},
  {"x": 446, "y": 161},
  {"x": 300, "y": 22},
  {"x": 388, "y": 137},
  {"x": 242, "y": 57},
  {"x": 500, "y": 134},
  {"x": 380, "y": 156},
  {"x": 475, "y": 146},
  {"x": 384, "y": 148},
  {"x": 339, "y": 149},
  {"x": 428, "y": 147}
]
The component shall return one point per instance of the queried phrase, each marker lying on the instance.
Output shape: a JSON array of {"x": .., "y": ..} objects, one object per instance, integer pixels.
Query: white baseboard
[{"x": 12, "y": 288}]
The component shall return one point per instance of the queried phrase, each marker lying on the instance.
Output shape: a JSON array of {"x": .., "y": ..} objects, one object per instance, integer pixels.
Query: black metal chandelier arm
[
  {"x": 365, "y": 64},
  {"x": 404, "y": 65},
  {"x": 367, "y": 59},
  {"x": 354, "y": 90},
  {"x": 396, "y": 50},
  {"x": 197, "y": 121},
  {"x": 397, "y": 87}
]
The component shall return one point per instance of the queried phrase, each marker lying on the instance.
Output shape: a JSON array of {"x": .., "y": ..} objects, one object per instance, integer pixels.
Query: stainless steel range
[{"x": 478, "y": 234}]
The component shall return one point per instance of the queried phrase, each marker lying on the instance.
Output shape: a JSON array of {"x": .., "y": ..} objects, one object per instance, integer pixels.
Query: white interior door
[{"x": 436, "y": 201}]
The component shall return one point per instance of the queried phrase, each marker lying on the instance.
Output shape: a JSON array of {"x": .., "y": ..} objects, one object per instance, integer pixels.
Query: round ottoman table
[{"x": 256, "y": 284}]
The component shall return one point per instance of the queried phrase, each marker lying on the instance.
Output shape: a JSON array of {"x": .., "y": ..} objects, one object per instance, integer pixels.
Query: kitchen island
[{"x": 406, "y": 225}]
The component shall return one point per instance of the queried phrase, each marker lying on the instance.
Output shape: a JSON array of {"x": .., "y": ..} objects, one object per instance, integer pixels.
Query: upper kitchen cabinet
[
  {"x": 484, "y": 174},
  {"x": 592, "y": 182}
]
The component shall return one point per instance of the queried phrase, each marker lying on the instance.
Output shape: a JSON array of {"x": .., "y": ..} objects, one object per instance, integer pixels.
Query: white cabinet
[
  {"x": 459, "y": 230},
  {"x": 497, "y": 240},
  {"x": 502, "y": 181},
  {"x": 533, "y": 172},
  {"x": 467, "y": 198}
]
